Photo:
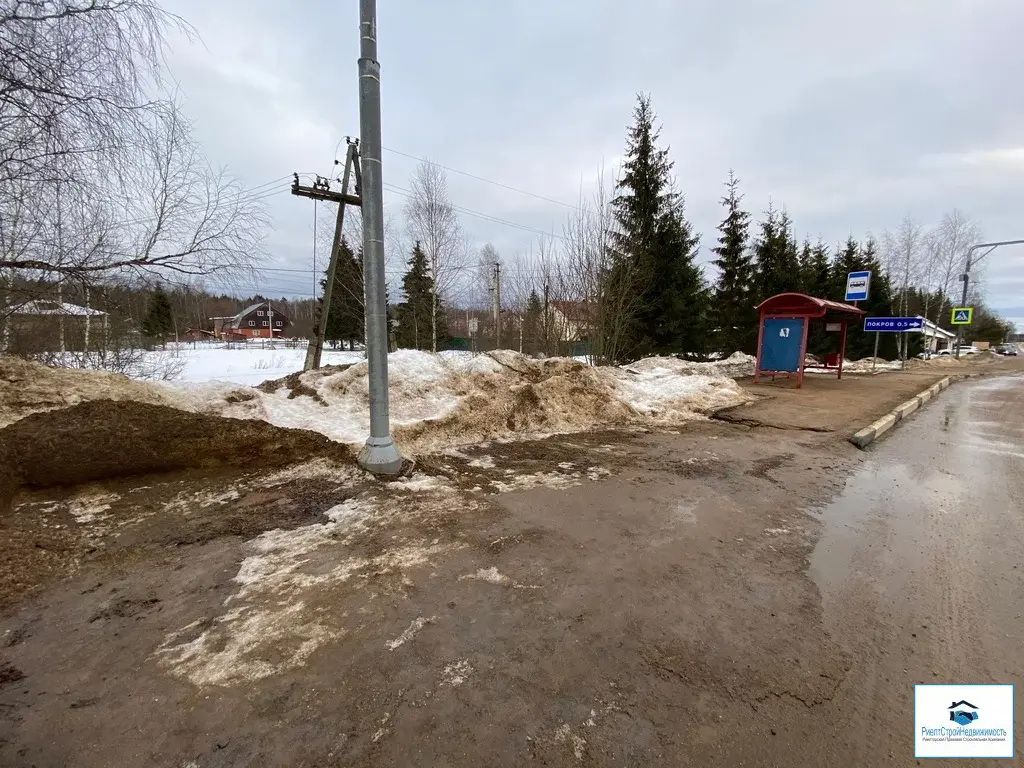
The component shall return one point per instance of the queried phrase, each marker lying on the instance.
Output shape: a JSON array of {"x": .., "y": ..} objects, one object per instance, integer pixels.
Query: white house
[{"x": 935, "y": 338}]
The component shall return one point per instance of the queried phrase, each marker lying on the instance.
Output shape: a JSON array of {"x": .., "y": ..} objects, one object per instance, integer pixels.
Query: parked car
[{"x": 1009, "y": 350}]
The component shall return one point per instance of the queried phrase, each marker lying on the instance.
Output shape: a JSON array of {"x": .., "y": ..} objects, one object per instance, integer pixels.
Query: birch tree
[
  {"x": 100, "y": 181},
  {"x": 600, "y": 276},
  {"x": 905, "y": 260},
  {"x": 949, "y": 243},
  {"x": 431, "y": 220}
]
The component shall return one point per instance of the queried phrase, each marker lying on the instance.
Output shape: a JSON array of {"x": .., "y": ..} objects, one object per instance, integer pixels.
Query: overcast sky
[{"x": 851, "y": 114}]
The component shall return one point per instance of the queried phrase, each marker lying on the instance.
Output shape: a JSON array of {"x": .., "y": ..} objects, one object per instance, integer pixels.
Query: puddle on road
[
  {"x": 913, "y": 470},
  {"x": 844, "y": 525}
]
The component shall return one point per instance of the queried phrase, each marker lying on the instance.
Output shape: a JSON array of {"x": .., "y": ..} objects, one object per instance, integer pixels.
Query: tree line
[{"x": 626, "y": 261}]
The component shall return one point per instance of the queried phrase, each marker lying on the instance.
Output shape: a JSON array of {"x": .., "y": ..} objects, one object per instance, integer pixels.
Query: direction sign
[
  {"x": 962, "y": 316},
  {"x": 892, "y": 324},
  {"x": 857, "y": 284}
]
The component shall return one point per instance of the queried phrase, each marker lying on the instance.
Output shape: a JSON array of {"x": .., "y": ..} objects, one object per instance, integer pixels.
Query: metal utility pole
[
  {"x": 966, "y": 277},
  {"x": 380, "y": 454},
  {"x": 321, "y": 191},
  {"x": 497, "y": 305}
]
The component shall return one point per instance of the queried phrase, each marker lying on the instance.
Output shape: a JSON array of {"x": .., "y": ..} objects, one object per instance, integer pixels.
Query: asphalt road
[{"x": 921, "y": 571}]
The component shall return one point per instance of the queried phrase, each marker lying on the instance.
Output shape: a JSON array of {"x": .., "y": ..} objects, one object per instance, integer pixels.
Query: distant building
[
  {"x": 573, "y": 320},
  {"x": 934, "y": 338},
  {"x": 258, "y": 321},
  {"x": 36, "y": 327},
  {"x": 55, "y": 309}
]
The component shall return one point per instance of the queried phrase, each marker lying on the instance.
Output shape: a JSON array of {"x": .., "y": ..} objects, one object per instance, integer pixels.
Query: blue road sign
[
  {"x": 857, "y": 284},
  {"x": 892, "y": 324}
]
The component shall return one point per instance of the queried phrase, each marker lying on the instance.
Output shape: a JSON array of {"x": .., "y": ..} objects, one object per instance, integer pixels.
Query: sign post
[{"x": 857, "y": 286}]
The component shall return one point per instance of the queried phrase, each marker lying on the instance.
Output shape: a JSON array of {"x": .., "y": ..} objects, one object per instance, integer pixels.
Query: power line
[
  {"x": 480, "y": 215},
  {"x": 481, "y": 178},
  {"x": 122, "y": 224}
]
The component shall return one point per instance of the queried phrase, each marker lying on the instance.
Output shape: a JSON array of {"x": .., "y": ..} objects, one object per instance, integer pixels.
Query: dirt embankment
[
  {"x": 102, "y": 439},
  {"x": 27, "y": 387}
]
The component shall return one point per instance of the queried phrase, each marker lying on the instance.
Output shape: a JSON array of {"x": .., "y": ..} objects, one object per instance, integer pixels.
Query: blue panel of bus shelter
[{"x": 780, "y": 344}]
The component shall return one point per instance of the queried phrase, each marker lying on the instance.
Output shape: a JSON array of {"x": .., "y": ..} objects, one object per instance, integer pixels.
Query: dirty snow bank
[
  {"x": 734, "y": 366},
  {"x": 864, "y": 365},
  {"x": 439, "y": 400},
  {"x": 435, "y": 400}
]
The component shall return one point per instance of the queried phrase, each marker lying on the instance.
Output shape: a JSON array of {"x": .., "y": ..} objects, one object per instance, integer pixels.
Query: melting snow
[
  {"x": 411, "y": 632},
  {"x": 455, "y": 674},
  {"x": 90, "y": 507},
  {"x": 273, "y": 622}
]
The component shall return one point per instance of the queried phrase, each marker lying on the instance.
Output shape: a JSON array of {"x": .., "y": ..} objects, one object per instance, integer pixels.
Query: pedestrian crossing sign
[{"x": 962, "y": 316}]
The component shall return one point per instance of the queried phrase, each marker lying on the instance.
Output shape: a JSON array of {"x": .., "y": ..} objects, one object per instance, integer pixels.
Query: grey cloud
[{"x": 849, "y": 114}]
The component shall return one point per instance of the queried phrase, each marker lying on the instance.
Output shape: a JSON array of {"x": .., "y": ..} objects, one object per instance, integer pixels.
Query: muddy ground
[{"x": 607, "y": 598}]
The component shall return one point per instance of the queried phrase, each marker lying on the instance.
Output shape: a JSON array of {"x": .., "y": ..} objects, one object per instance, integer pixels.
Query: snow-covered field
[{"x": 248, "y": 364}]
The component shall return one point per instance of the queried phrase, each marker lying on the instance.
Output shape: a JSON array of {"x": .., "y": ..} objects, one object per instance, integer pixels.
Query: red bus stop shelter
[{"x": 782, "y": 333}]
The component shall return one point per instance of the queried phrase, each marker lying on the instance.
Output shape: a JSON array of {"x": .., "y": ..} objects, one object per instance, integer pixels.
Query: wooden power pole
[
  {"x": 497, "y": 305},
  {"x": 321, "y": 191}
]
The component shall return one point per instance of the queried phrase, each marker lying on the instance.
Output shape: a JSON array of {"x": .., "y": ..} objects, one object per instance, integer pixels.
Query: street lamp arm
[
  {"x": 991, "y": 247},
  {"x": 967, "y": 278}
]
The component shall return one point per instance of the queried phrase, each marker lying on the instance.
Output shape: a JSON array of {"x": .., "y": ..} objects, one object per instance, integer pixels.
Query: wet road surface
[
  {"x": 665, "y": 600},
  {"x": 921, "y": 569}
]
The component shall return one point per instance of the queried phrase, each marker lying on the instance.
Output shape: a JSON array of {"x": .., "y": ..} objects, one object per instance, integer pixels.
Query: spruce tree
[
  {"x": 775, "y": 269},
  {"x": 847, "y": 260},
  {"x": 806, "y": 263},
  {"x": 878, "y": 304},
  {"x": 732, "y": 311},
  {"x": 851, "y": 257},
  {"x": 412, "y": 316},
  {"x": 654, "y": 235},
  {"x": 817, "y": 274},
  {"x": 158, "y": 322},
  {"x": 790, "y": 250},
  {"x": 346, "y": 319},
  {"x": 817, "y": 281}
]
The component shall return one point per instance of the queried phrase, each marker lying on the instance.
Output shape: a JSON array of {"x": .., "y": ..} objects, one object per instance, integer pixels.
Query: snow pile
[
  {"x": 438, "y": 400},
  {"x": 867, "y": 364},
  {"x": 734, "y": 366}
]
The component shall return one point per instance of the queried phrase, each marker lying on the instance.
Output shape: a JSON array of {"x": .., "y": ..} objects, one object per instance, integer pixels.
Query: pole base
[{"x": 380, "y": 456}]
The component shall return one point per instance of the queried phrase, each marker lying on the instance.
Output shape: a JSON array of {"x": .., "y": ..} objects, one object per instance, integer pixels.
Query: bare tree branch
[{"x": 431, "y": 219}]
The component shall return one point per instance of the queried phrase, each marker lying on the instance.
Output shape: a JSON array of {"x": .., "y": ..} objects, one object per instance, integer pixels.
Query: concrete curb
[{"x": 869, "y": 434}]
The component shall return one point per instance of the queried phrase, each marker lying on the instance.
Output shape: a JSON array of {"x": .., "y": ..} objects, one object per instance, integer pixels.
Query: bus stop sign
[{"x": 857, "y": 284}]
